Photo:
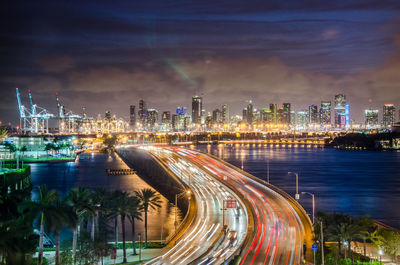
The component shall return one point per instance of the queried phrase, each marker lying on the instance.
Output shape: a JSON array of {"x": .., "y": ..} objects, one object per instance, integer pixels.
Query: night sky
[{"x": 106, "y": 55}]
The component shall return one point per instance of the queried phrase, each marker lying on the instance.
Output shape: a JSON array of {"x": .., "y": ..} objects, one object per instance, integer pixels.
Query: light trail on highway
[
  {"x": 206, "y": 241},
  {"x": 278, "y": 234},
  {"x": 277, "y": 231}
]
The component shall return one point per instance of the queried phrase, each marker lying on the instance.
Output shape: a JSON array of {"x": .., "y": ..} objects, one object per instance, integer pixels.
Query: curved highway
[
  {"x": 211, "y": 238},
  {"x": 277, "y": 232}
]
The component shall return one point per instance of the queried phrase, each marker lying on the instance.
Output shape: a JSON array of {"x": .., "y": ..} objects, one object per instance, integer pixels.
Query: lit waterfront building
[
  {"x": 302, "y": 118},
  {"x": 371, "y": 119},
  {"x": 225, "y": 113},
  {"x": 267, "y": 116},
  {"x": 132, "y": 116},
  {"x": 388, "y": 117},
  {"x": 340, "y": 110},
  {"x": 217, "y": 116},
  {"x": 152, "y": 119},
  {"x": 107, "y": 115},
  {"x": 142, "y": 113},
  {"x": 208, "y": 121},
  {"x": 197, "y": 107},
  {"x": 292, "y": 118},
  {"x": 274, "y": 112},
  {"x": 166, "y": 121},
  {"x": 325, "y": 113},
  {"x": 244, "y": 115},
  {"x": 249, "y": 112},
  {"x": 287, "y": 109},
  {"x": 313, "y": 114}
]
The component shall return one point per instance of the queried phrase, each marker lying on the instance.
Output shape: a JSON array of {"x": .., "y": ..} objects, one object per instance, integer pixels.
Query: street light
[
  {"x": 313, "y": 204},
  {"x": 380, "y": 255},
  {"x": 297, "y": 195}
]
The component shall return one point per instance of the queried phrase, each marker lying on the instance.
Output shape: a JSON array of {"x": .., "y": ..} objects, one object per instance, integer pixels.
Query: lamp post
[
  {"x": 313, "y": 204},
  {"x": 380, "y": 255},
  {"x": 297, "y": 195}
]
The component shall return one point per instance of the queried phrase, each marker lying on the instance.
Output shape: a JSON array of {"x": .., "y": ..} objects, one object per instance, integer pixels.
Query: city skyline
[
  {"x": 335, "y": 112},
  {"x": 166, "y": 53}
]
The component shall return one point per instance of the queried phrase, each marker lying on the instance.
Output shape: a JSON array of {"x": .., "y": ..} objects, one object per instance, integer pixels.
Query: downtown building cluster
[{"x": 326, "y": 116}]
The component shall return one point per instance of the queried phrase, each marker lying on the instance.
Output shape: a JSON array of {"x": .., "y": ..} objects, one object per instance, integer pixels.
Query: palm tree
[
  {"x": 67, "y": 217},
  {"x": 80, "y": 201},
  {"x": 148, "y": 198},
  {"x": 366, "y": 224},
  {"x": 345, "y": 232},
  {"x": 135, "y": 212},
  {"x": 100, "y": 196},
  {"x": 46, "y": 209},
  {"x": 123, "y": 210}
]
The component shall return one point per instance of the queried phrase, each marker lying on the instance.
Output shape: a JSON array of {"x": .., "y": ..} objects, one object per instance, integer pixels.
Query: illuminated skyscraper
[
  {"x": 313, "y": 114},
  {"x": 197, "y": 107},
  {"x": 152, "y": 118},
  {"x": 108, "y": 115},
  {"x": 292, "y": 118},
  {"x": 250, "y": 113},
  {"x": 286, "y": 108},
  {"x": 142, "y": 113},
  {"x": 340, "y": 110},
  {"x": 217, "y": 116},
  {"x": 302, "y": 118},
  {"x": 371, "y": 118},
  {"x": 225, "y": 113},
  {"x": 166, "y": 118},
  {"x": 325, "y": 113},
  {"x": 175, "y": 122},
  {"x": 244, "y": 115},
  {"x": 267, "y": 116},
  {"x": 274, "y": 112},
  {"x": 132, "y": 116},
  {"x": 388, "y": 118}
]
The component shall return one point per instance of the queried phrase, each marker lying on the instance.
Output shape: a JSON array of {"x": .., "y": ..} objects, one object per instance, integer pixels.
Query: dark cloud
[{"x": 107, "y": 56}]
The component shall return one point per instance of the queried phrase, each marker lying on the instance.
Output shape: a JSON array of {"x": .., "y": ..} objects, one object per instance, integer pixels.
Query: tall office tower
[
  {"x": 325, "y": 113},
  {"x": 203, "y": 116},
  {"x": 152, "y": 118},
  {"x": 244, "y": 115},
  {"x": 108, "y": 115},
  {"x": 267, "y": 116},
  {"x": 250, "y": 113},
  {"x": 225, "y": 113},
  {"x": 208, "y": 121},
  {"x": 347, "y": 114},
  {"x": 132, "y": 116},
  {"x": 274, "y": 112},
  {"x": 388, "y": 118},
  {"x": 313, "y": 114},
  {"x": 371, "y": 118},
  {"x": 175, "y": 122},
  {"x": 281, "y": 116},
  {"x": 340, "y": 110},
  {"x": 302, "y": 118},
  {"x": 166, "y": 118},
  {"x": 292, "y": 118},
  {"x": 142, "y": 112},
  {"x": 286, "y": 108},
  {"x": 217, "y": 116},
  {"x": 197, "y": 107}
]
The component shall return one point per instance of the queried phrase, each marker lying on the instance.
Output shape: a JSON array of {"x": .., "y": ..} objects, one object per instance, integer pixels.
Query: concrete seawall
[{"x": 155, "y": 175}]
